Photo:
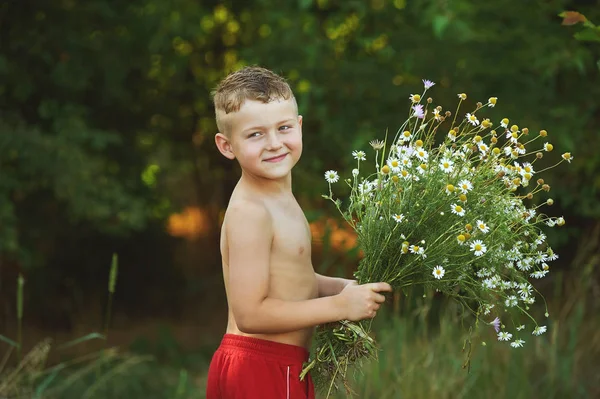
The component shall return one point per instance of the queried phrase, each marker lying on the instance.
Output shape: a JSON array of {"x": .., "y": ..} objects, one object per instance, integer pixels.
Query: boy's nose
[{"x": 274, "y": 141}]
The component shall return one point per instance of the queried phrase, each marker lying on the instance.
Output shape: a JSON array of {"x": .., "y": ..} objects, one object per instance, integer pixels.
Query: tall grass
[{"x": 423, "y": 356}]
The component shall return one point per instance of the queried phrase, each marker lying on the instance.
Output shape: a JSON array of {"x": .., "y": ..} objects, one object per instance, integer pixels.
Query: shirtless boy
[{"x": 275, "y": 297}]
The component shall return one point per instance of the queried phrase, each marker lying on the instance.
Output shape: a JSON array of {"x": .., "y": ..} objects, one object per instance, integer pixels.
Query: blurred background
[{"x": 106, "y": 147}]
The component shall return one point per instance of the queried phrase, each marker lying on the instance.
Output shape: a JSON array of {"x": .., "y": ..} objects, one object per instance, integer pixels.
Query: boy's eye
[
  {"x": 255, "y": 134},
  {"x": 285, "y": 127}
]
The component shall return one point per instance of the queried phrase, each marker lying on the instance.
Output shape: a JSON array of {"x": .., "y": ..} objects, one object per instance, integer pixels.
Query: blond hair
[{"x": 249, "y": 83}]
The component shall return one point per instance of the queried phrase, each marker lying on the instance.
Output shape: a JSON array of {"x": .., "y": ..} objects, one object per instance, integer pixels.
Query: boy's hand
[{"x": 362, "y": 301}]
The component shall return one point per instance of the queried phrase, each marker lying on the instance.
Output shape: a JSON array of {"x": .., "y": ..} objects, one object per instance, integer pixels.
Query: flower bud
[
  {"x": 395, "y": 179},
  {"x": 479, "y": 104},
  {"x": 429, "y": 100},
  {"x": 539, "y": 155},
  {"x": 450, "y": 187},
  {"x": 529, "y": 196},
  {"x": 505, "y": 121},
  {"x": 543, "y": 133},
  {"x": 467, "y": 235},
  {"x": 477, "y": 139},
  {"x": 525, "y": 131},
  {"x": 501, "y": 173},
  {"x": 448, "y": 114},
  {"x": 462, "y": 96},
  {"x": 462, "y": 197},
  {"x": 546, "y": 187},
  {"x": 494, "y": 140},
  {"x": 514, "y": 128},
  {"x": 419, "y": 143},
  {"x": 385, "y": 170},
  {"x": 540, "y": 181},
  {"x": 549, "y": 201},
  {"x": 493, "y": 100},
  {"x": 469, "y": 227},
  {"x": 461, "y": 238}
]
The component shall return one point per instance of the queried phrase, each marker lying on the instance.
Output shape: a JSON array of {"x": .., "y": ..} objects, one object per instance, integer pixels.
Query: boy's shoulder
[{"x": 243, "y": 209}]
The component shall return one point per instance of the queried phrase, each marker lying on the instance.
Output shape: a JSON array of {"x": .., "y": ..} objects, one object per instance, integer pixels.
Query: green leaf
[
  {"x": 588, "y": 35},
  {"x": 440, "y": 22},
  {"x": 82, "y": 339},
  {"x": 47, "y": 381},
  {"x": 8, "y": 341}
]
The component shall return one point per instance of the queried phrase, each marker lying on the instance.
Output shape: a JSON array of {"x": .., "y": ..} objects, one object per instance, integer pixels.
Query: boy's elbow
[{"x": 247, "y": 323}]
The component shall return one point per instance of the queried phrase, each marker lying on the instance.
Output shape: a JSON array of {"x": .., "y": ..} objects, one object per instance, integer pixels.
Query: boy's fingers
[
  {"x": 379, "y": 298},
  {"x": 377, "y": 287}
]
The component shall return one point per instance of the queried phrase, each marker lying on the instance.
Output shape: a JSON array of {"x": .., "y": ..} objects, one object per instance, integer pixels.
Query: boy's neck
[{"x": 265, "y": 186}]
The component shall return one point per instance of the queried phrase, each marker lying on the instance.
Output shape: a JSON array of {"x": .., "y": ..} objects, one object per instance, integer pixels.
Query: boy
[{"x": 275, "y": 297}]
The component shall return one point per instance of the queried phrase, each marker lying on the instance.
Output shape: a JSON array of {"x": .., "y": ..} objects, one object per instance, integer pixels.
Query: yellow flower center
[
  {"x": 505, "y": 121},
  {"x": 458, "y": 208},
  {"x": 514, "y": 128},
  {"x": 423, "y": 166},
  {"x": 461, "y": 238},
  {"x": 482, "y": 226},
  {"x": 446, "y": 165},
  {"x": 477, "y": 139},
  {"x": 419, "y": 143},
  {"x": 477, "y": 247},
  {"x": 395, "y": 179},
  {"x": 543, "y": 133},
  {"x": 472, "y": 117},
  {"x": 404, "y": 173},
  {"x": 395, "y": 164},
  {"x": 450, "y": 187},
  {"x": 496, "y": 151},
  {"x": 416, "y": 98},
  {"x": 438, "y": 271},
  {"x": 406, "y": 133},
  {"x": 463, "y": 198},
  {"x": 385, "y": 170},
  {"x": 549, "y": 147}
]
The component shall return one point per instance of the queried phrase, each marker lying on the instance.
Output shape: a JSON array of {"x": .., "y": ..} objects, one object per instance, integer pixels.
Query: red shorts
[{"x": 251, "y": 368}]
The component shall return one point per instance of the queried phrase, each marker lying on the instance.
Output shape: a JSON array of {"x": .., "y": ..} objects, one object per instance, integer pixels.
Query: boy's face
[{"x": 266, "y": 138}]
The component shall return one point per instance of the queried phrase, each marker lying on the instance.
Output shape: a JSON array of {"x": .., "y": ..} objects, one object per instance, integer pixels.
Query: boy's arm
[
  {"x": 329, "y": 286},
  {"x": 249, "y": 237}
]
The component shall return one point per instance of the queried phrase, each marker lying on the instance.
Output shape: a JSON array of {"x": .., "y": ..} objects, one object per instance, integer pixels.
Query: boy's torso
[{"x": 291, "y": 274}]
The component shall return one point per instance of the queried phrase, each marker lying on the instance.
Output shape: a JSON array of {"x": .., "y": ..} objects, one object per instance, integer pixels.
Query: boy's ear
[
  {"x": 300, "y": 120},
  {"x": 224, "y": 145}
]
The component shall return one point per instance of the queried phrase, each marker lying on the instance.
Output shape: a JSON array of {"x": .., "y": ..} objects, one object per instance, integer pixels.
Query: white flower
[
  {"x": 511, "y": 301},
  {"x": 405, "y": 162},
  {"x": 355, "y": 172},
  {"x": 517, "y": 343},
  {"x": 394, "y": 164},
  {"x": 504, "y": 336},
  {"x": 472, "y": 119},
  {"x": 398, "y": 218},
  {"x": 478, "y": 247},
  {"x": 538, "y": 274},
  {"x": 447, "y": 165},
  {"x": 483, "y": 148},
  {"x": 465, "y": 186},
  {"x": 539, "y": 330},
  {"x": 415, "y": 249},
  {"x": 524, "y": 290},
  {"x": 331, "y": 176},
  {"x": 438, "y": 272},
  {"x": 457, "y": 210},
  {"x": 452, "y": 135},
  {"x": 482, "y": 226},
  {"x": 359, "y": 155},
  {"x": 522, "y": 326},
  {"x": 548, "y": 147}
]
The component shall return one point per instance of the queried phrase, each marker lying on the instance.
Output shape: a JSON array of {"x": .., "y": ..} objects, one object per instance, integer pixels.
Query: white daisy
[
  {"x": 405, "y": 136},
  {"x": 524, "y": 290},
  {"x": 478, "y": 247},
  {"x": 483, "y": 147},
  {"x": 511, "y": 301},
  {"x": 355, "y": 172},
  {"x": 518, "y": 343},
  {"x": 394, "y": 164},
  {"x": 405, "y": 162},
  {"x": 504, "y": 336},
  {"x": 538, "y": 274},
  {"x": 417, "y": 250},
  {"x": 438, "y": 272},
  {"x": 457, "y": 210},
  {"x": 548, "y": 147},
  {"x": 539, "y": 330},
  {"x": 447, "y": 165},
  {"x": 331, "y": 176},
  {"x": 452, "y": 135},
  {"x": 465, "y": 186},
  {"x": 472, "y": 119},
  {"x": 482, "y": 226},
  {"x": 398, "y": 218},
  {"x": 359, "y": 155}
]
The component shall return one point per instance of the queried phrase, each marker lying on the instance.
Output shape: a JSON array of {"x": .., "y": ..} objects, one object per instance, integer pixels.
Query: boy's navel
[{"x": 301, "y": 251}]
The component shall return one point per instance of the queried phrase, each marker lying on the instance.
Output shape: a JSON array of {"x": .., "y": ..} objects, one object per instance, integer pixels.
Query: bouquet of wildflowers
[{"x": 449, "y": 207}]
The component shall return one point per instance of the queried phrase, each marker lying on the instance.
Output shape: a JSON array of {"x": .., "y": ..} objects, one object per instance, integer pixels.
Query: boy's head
[
  {"x": 258, "y": 122},
  {"x": 250, "y": 83}
]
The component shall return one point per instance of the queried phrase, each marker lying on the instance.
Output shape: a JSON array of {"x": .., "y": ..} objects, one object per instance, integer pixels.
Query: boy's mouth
[{"x": 276, "y": 159}]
